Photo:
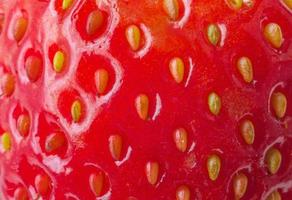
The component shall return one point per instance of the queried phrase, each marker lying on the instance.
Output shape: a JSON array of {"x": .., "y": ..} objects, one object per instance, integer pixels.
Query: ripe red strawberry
[{"x": 146, "y": 100}]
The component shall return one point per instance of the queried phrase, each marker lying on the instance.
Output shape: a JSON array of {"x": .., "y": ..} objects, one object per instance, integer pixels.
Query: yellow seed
[
  {"x": 247, "y": 131},
  {"x": 152, "y": 171},
  {"x": 245, "y": 68},
  {"x": 101, "y": 80},
  {"x": 7, "y": 84},
  {"x": 171, "y": 8},
  {"x": 23, "y": 125},
  {"x": 142, "y": 106},
  {"x": 115, "y": 146},
  {"x": 274, "y": 196},
  {"x": 240, "y": 182},
  {"x": 234, "y": 4},
  {"x": 20, "y": 28},
  {"x": 214, "y": 103},
  {"x": 177, "y": 69},
  {"x": 183, "y": 193},
  {"x": 273, "y": 35},
  {"x": 273, "y": 159},
  {"x": 288, "y": 3},
  {"x": 76, "y": 111},
  {"x": 213, "y": 166},
  {"x": 279, "y": 104},
  {"x": 6, "y": 141},
  {"x": 96, "y": 183},
  {"x": 213, "y": 34},
  {"x": 180, "y": 137},
  {"x": 59, "y": 61},
  {"x": 94, "y": 22},
  {"x": 133, "y": 36},
  {"x": 67, "y": 4}
]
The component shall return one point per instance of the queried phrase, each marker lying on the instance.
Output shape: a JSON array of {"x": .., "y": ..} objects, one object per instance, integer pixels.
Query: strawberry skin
[{"x": 146, "y": 100}]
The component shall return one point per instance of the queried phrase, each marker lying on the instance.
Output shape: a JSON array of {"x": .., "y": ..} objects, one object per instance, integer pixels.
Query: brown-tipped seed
[
  {"x": 133, "y": 36},
  {"x": 245, "y": 68},
  {"x": 279, "y": 104},
  {"x": 214, "y": 103},
  {"x": 273, "y": 159},
  {"x": 94, "y": 22},
  {"x": 23, "y": 124},
  {"x": 213, "y": 166},
  {"x": 247, "y": 131},
  {"x": 240, "y": 182},
  {"x": 96, "y": 182},
  {"x": 171, "y": 8},
  {"x": 183, "y": 193},
  {"x": 234, "y": 4},
  {"x": 273, "y": 35},
  {"x": 76, "y": 111},
  {"x": 288, "y": 3},
  {"x": 7, "y": 84},
  {"x": 101, "y": 80},
  {"x": 115, "y": 146},
  {"x": 177, "y": 69},
  {"x": 33, "y": 66},
  {"x": 180, "y": 137},
  {"x": 42, "y": 184},
  {"x": 213, "y": 34},
  {"x": 152, "y": 172},
  {"x": 142, "y": 106},
  {"x": 55, "y": 141},
  {"x": 274, "y": 196},
  {"x": 6, "y": 141},
  {"x": 20, "y": 27}
]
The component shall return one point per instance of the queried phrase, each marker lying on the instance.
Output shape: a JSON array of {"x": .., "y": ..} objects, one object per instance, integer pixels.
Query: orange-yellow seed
[
  {"x": 20, "y": 27},
  {"x": 183, "y": 193},
  {"x": 247, "y": 131},
  {"x": 115, "y": 146},
  {"x": 96, "y": 183},
  {"x": 76, "y": 111},
  {"x": 67, "y": 4},
  {"x": 273, "y": 35},
  {"x": 7, "y": 84},
  {"x": 279, "y": 104},
  {"x": 42, "y": 184},
  {"x": 152, "y": 172},
  {"x": 20, "y": 194},
  {"x": 180, "y": 137},
  {"x": 273, "y": 159},
  {"x": 6, "y": 141},
  {"x": 23, "y": 124},
  {"x": 94, "y": 22},
  {"x": 2, "y": 18},
  {"x": 274, "y": 196},
  {"x": 55, "y": 141},
  {"x": 101, "y": 80},
  {"x": 214, "y": 103},
  {"x": 245, "y": 68},
  {"x": 33, "y": 68},
  {"x": 288, "y": 3},
  {"x": 213, "y": 34},
  {"x": 171, "y": 8},
  {"x": 142, "y": 106},
  {"x": 133, "y": 36},
  {"x": 234, "y": 4},
  {"x": 240, "y": 182},
  {"x": 213, "y": 166},
  {"x": 177, "y": 69}
]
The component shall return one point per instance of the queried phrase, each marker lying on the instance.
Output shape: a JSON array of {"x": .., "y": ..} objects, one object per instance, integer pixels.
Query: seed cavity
[
  {"x": 33, "y": 68},
  {"x": 213, "y": 34},
  {"x": 59, "y": 61},
  {"x": 214, "y": 103},
  {"x": 247, "y": 131},
  {"x": 76, "y": 111},
  {"x": 177, "y": 68},
  {"x": 213, "y": 166},
  {"x": 279, "y": 104},
  {"x": 240, "y": 182},
  {"x": 245, "y": 68},
  {"x": 96, "y": 183},
  {"x": 42, "y": 184},
  {"x": 67, "y": 4},
  {"x": 6, "y": 141},
  {"x": 115, "y": 146},
  {"x": 234, "y": 4},
  {"x": 183, "y": 193},
  {"x": 94, "y": 22},
  {"x": 273, "y": 159},
  {"x": 180, "y": 137},
  {"x": 152, "y": 172},
  {"x": 20, "y": 27},
  {"x": 21, "y": 194},
  {"x": 274, "y": 196},
  {"x": 55, "y": 141},
  {"x": 142, "y": 106},
  {"x": 101, "y": 80},
  {"x": 273, "y": 35},
  {"x": 23, "y": 124},
  {"x": 7, "y": 84},
  {"x": 171, "y": 8},
  {"x": 133, "y": 36}
]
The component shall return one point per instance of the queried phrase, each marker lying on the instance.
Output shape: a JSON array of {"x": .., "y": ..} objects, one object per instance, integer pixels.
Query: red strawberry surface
[{"x": 146, "y": 99}]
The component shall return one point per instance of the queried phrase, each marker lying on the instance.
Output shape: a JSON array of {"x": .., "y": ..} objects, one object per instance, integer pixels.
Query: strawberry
[{"x": 146, "y": 100}]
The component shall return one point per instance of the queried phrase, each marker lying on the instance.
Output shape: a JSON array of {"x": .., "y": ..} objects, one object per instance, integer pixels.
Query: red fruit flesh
[{"x": 120, "y": 122}]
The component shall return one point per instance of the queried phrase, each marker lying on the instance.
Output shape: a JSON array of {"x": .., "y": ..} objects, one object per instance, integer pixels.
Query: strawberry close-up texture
[{"x": 146, "y": 99}]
